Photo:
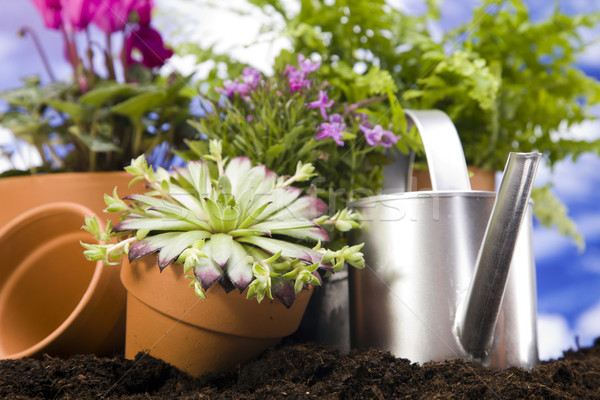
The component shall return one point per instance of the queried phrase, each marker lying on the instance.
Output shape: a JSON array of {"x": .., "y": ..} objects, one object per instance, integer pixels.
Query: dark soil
[{"x": 301, "y": 371}]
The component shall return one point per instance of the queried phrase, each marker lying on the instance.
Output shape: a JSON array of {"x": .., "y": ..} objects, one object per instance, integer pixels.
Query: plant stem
[
  {"x": 123, "y": 57},
  {"x": 27, "y": 30},
  {"x": 364, "y": 103},
  {"x": 71, "y": 52},
  {"x": 90, "y": 56},
  {"x": 137, "y": 138},
  {"x": 108, "y": 58}
]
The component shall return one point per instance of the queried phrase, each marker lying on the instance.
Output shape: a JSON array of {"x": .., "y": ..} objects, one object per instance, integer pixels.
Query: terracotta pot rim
[
  {"x": 29, "y": 217},
  {"x": 58, "y": 175}
]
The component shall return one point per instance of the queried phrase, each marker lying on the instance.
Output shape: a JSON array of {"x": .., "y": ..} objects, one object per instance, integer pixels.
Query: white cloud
[
  {"x": 587, "y": 326},
  {"x": 554, "y": 336},
  {"x": 548, "y": 243}
]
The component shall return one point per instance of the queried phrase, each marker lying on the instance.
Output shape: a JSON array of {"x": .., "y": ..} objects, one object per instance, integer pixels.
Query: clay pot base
[
  {"x": 174, "y": 341},
  {"x": 166, "y": 319}
]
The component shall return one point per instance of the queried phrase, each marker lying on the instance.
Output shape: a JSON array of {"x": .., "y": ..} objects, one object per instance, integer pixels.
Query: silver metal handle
[{"x": 444, "y": 152}]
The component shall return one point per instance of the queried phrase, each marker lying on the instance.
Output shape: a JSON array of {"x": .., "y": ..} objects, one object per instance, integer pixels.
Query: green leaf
[
  {"x": 239, "y": 267},
  {"x": 273, "y": 246},
  {"x": 77, "y": 112},
  {"x": 274, "y": 152},
  {"x": 154, "y": 224},
  {"x": 172, "y": 248},
  {"x": 105, "y": 93},
  {"x": 97, "y": 144},
  {"x": 140, "y": 104},
  {"x": 221, "y": 248}
]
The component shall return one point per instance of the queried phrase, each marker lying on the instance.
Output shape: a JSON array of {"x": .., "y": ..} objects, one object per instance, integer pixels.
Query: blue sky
[{"x": 568, "y": 282}]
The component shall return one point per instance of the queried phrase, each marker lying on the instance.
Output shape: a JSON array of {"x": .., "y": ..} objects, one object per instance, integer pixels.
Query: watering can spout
[{"x": 476, "y": 320}]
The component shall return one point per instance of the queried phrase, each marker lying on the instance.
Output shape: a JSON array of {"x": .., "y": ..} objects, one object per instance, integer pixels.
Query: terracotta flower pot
[
  {"x": 20, "y": 194},
  {"x": 52, "y": 300},
  {"x": 44, "y": 257},
  {"x": 481, "y": 179},
  {"x": 165, "y": 318}
]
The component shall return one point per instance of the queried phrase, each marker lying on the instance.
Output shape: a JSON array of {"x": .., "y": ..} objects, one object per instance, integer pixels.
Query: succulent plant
[{"x": 227, "y": 221}]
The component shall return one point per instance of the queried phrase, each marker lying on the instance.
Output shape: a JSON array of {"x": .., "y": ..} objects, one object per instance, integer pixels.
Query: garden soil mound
[{"x": 301, "y": 371}]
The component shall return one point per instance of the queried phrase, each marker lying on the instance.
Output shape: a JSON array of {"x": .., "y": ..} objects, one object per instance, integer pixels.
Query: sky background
[{"x": 568, "y": 281}]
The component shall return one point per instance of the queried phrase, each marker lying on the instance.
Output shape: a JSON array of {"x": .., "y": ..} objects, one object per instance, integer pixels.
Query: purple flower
[
  {"x": 307, "y": 66},
  {"x": 230, "y": 88},
  {"x": 377, "y": 136},
  {"x": 296, "y": 79},
  {"x": 251, "y": 77},
  {"x": 322, "y": 103},
  {"x": 150, "y": 44},
  {"x": 333, "y": 129},
  {"x": 50, "y": 11}
]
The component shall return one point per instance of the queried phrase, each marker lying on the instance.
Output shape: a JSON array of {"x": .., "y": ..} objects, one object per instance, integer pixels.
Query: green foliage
[
  {"x": 553, "y": 214},
  {"x": 273, "y": 125},
  {"x": 107, "y": 125},
  {"x": 228, "y": 222},
  {"x": 540, "y": 88},
  {"x": 508, "y": 83}
]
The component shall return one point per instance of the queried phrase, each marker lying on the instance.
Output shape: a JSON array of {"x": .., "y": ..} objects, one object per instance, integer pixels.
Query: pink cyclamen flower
[
  {"x": 150, "y": 44},
  {"x": 333, "y": 129},
  {"x": 322, "y": 103},
  {"x": 113, "y": 15},
  {"x": 50, "y": 11},
  {"x": 79, "y": 13},
  {"x": 376, "y": 136}
]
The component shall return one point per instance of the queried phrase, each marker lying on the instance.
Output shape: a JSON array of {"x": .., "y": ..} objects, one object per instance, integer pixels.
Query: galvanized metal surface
[
  {"x": 421, "y": 251},
  {"x": 479, "y": 312}
]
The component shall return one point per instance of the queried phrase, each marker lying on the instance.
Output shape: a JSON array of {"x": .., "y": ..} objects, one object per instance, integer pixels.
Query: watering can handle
[{"x": 444, "y": 152}]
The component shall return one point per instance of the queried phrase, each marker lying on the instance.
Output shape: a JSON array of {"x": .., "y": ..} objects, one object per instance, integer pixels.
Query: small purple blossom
[
  {"x": 251, "y": 77},
  {"x": 307, "y": 66},
  {"x": 297, "y": 77},
  {"x": 322, "y": 103},
  {"x": 333, "y": 129},
  {"x": 377, "y": 136},
  {"x": 230, "y": 88}
]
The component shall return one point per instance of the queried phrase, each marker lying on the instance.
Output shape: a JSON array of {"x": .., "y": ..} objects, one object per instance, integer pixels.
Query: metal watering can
[{"x": 450, "y": 272}]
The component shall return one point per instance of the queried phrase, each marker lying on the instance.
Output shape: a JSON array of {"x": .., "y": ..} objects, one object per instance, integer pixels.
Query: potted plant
[
  {"x": 240, "y": 231},
  {"x": 296, "y": 114},
  {"x": 96, "y": 122},
  {"x": 85, "y": 131}
]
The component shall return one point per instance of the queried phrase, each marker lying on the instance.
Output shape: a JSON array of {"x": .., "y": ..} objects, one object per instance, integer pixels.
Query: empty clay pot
[
  {"x": 166, "y": 319},
  {"x": 20, "y": 194},
  {"x": 52, "y": 300}
]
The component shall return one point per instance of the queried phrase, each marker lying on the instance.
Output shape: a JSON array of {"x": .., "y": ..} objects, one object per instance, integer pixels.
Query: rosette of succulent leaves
[{"x": 227, "y": 221}]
